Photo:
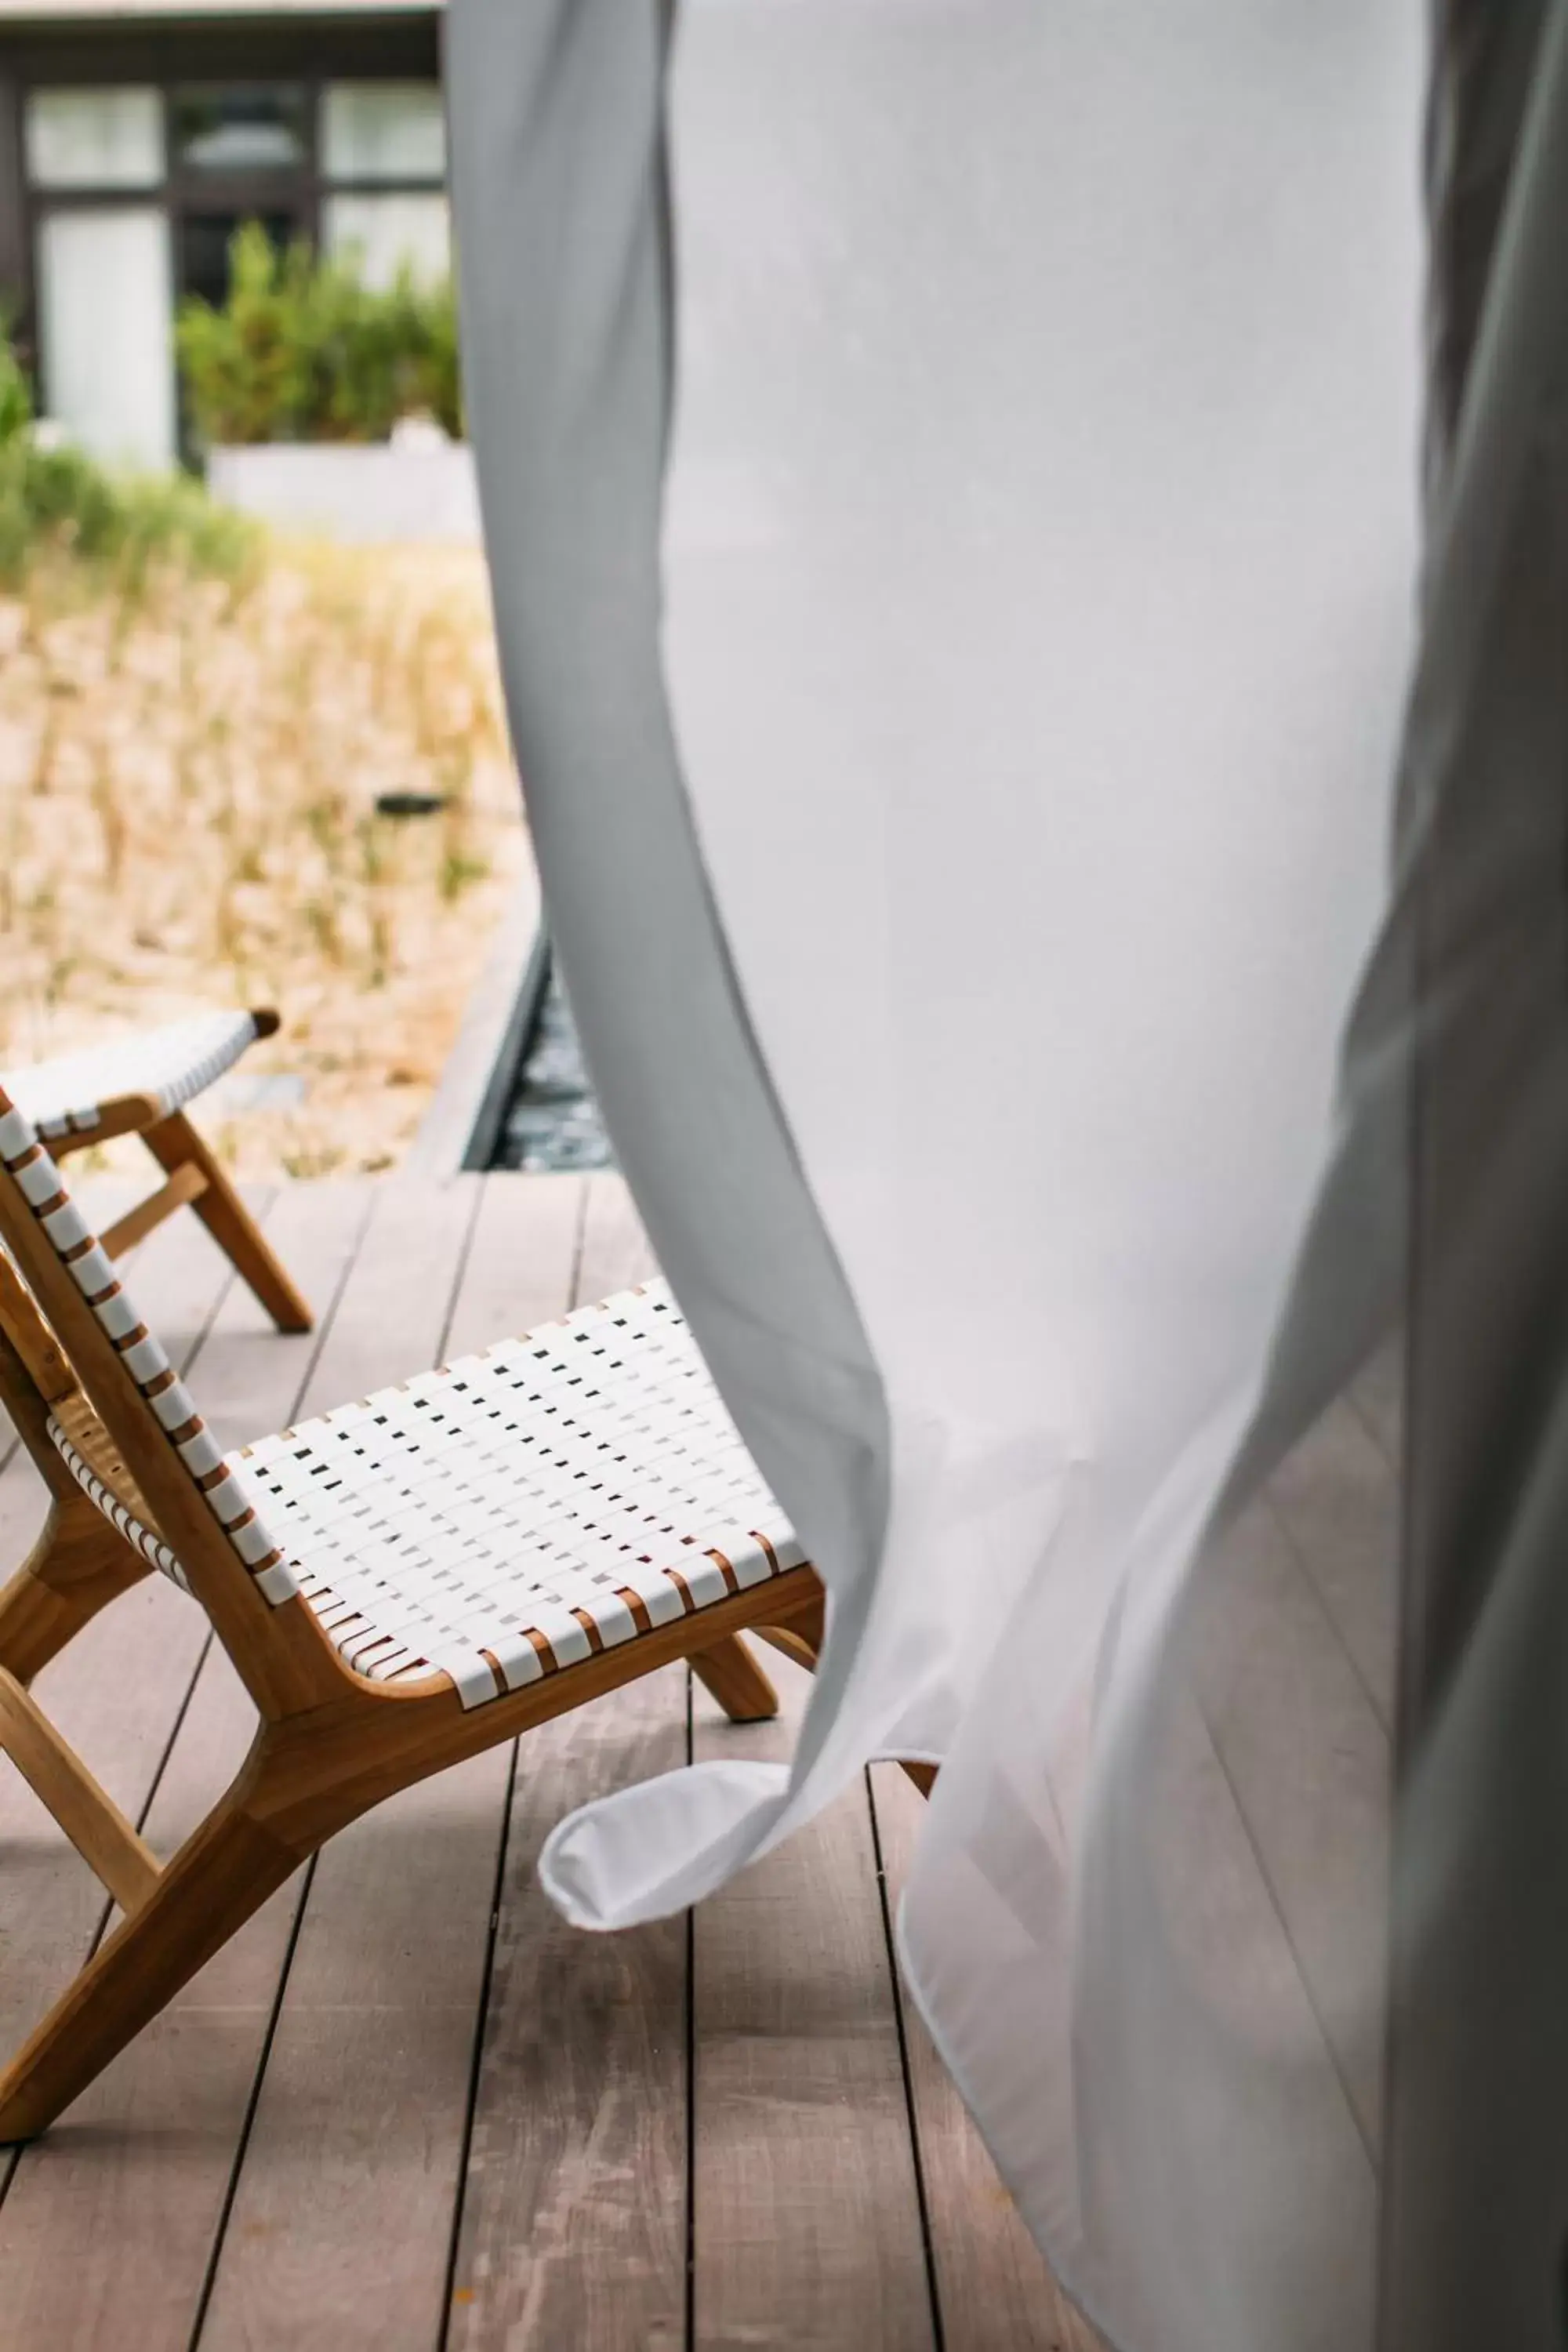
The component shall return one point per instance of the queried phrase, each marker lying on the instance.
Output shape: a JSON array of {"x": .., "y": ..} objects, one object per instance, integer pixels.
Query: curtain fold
[{"x": 958, "y": 628}]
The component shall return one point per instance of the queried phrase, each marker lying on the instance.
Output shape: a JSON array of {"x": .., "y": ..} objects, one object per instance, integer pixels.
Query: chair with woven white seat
[
  {"x": 400, "y": 1583},
  {"x": 140, "y": 1085}
]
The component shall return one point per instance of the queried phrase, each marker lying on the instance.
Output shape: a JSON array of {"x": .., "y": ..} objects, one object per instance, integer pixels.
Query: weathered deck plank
[
  {"x": 1307, "y": 1761},
  {"x": 522, "y": 1259},
  {"x": 994, "y": 2288},
  {"x": 807, "y": 2225},
  {"x": 615, "y": 1253},
  {"x": 369, "y": 2065},
  {"x": 574, "y": 2225}
]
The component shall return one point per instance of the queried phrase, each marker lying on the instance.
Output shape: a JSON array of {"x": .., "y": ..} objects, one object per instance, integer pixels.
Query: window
[
  {"x": 95, "y": 139},
  {"x": 384, "y": 130},
  {"x": 204, "y": 239},
  {"x": 102, "y": 268},
  {"x": 384, "y": 155},
  {"x": 388, "y": 234},
  {"x": 104, "y": 307},
  {"x": 247, "y": 132},
  {"x": 134, "y": 191}
]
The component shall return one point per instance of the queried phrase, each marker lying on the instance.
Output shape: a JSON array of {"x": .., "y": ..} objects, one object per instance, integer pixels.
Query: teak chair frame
[
  {"x": 330, "y": 1744},
  {"x": 193, "y": 1178}
]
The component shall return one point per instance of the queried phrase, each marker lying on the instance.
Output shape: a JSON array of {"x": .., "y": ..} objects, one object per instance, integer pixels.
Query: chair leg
[
  {"x": 77, "y": 1567},
  {"x": 801, "y": 1634},
  {"x": 112, "y": 1847},
  {"x": 732, "y": 1673},
  {"x": 205, "y": 1894},
  {"x": 174, "y": 1144},
  {"x": 802, "y": 1640}
]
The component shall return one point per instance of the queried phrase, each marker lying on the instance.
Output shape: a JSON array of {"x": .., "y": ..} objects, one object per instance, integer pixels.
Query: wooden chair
[
  {"x": 399, "y": 1583},
  {"x": 140, "y": 1085}
]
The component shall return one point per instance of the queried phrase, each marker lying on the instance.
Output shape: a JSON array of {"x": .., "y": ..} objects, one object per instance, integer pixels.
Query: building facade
[{"x": 135, "y": 140}]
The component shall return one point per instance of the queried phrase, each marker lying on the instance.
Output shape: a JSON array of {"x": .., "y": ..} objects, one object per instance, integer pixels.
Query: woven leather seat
[
  {"x": 169, "y": 1066},
  {"x": 513, "y": 1512}
]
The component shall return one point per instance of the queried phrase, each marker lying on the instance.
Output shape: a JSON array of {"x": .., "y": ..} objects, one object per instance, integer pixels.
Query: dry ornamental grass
[{"x": 188, "y": 776}]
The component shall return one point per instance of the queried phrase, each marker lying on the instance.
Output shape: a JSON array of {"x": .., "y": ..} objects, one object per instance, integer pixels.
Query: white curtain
[{"x": 964, "y": 802}]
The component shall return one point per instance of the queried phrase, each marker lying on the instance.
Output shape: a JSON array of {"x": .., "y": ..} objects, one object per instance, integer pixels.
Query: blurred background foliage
[
  {"x": 58, "y": 502},
  {"x": 303, "y": 350}
]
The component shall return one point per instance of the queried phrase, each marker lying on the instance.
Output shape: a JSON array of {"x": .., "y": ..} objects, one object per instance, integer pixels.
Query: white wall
[{"x": 357, "y": 495}]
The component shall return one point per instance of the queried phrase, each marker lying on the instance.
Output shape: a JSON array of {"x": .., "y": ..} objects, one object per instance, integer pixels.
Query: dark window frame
[{"x": 374, "y": 45}]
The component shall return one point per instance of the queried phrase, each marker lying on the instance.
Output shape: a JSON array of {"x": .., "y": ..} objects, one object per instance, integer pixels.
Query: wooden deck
[{"x": 406, "y": 2109}]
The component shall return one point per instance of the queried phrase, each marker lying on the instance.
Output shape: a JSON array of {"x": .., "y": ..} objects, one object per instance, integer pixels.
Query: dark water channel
[{"x": 550, "y": 1119}]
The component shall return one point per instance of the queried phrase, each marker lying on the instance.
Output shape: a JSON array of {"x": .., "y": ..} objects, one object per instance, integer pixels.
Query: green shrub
[
  {"x": 16, "y": 393},
  {"x": 246, "y": 368},
  {"x": 57, "y": 501},
  {"x": 304, "y": 350}
]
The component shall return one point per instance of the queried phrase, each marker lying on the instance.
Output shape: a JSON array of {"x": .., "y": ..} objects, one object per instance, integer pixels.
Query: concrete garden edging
[{"x": 398, "y": 490}]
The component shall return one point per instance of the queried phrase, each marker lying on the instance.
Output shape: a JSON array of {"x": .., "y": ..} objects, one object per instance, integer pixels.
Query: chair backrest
[{"x": 210, "y": 1528}]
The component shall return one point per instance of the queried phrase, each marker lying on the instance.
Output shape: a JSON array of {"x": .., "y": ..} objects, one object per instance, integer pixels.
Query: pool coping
[{"x": 461, "y": 1126}]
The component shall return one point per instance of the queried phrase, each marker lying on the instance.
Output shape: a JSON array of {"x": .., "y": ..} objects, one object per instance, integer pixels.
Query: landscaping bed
[{"x": 192, "y": 755}]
